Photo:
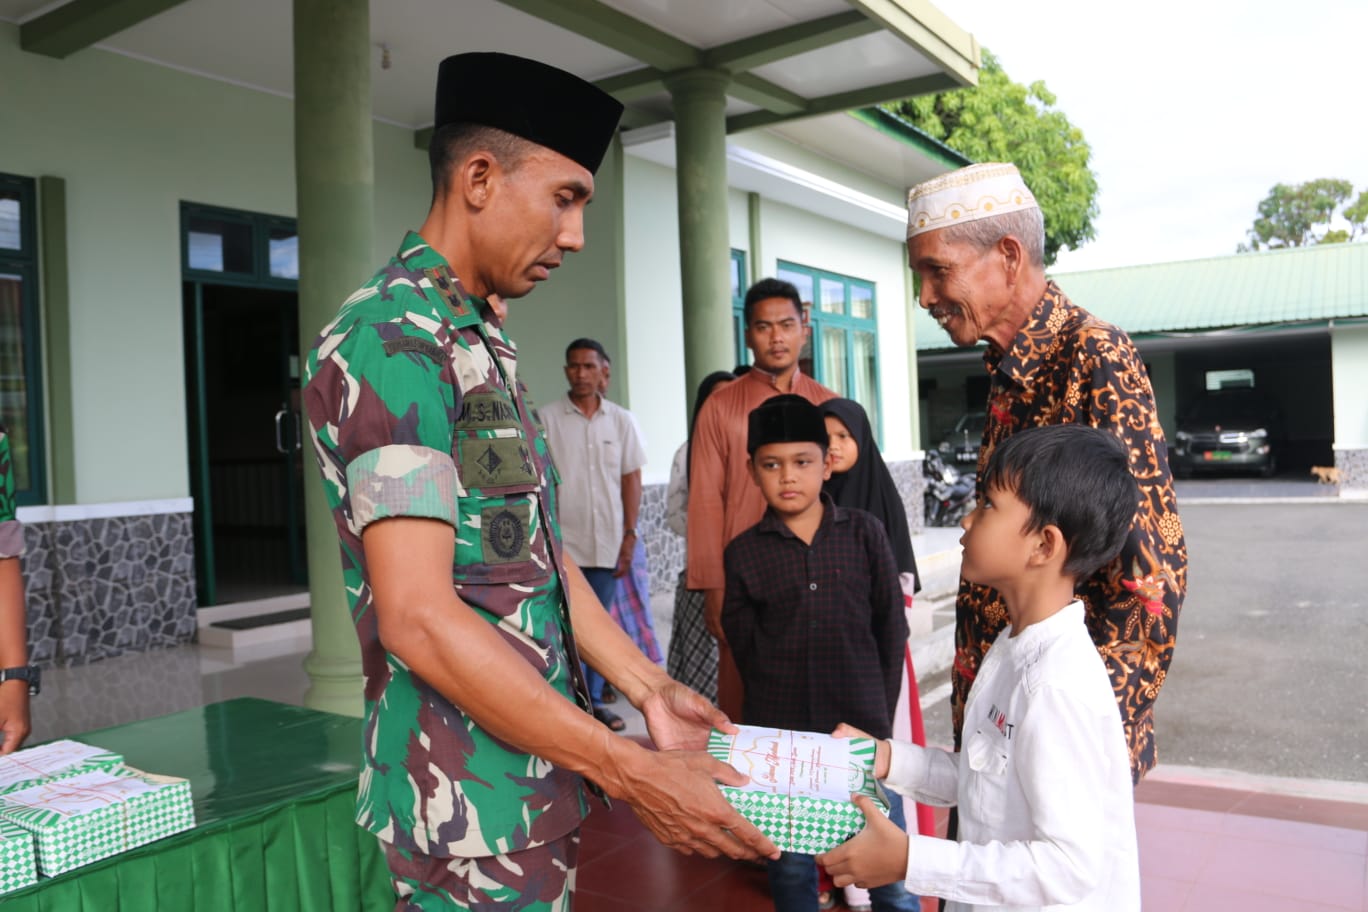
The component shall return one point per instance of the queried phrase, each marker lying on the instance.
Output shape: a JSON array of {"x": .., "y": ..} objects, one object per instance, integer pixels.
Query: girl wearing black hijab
[{"x": 860, "y": 480}]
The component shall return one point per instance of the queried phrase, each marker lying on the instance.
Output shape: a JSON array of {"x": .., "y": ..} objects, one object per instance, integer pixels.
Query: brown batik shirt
[{"x": 1066, "y": 366}]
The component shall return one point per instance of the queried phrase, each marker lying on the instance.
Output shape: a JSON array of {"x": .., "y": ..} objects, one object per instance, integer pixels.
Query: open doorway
[
  {"x": 247, "y": 444},
  {"x": 241, "y": 329}
]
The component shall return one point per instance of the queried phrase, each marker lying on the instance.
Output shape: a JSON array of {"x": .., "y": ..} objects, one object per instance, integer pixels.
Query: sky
[{"x": 1193, "y": 110}]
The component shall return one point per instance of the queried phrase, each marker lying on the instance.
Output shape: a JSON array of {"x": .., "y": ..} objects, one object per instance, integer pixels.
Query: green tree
[
  {"x": 1357, "y": 216},
  {"x": 1291, "y": 215},
  {"x": 1001, "y": 120}
]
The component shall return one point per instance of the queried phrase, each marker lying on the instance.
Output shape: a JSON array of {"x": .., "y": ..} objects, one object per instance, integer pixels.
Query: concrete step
[{"x": 265, "y": 627}]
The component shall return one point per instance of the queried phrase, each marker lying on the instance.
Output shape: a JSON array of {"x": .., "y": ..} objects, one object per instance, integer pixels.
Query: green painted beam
[
  {"x": 752, "y": 89},
  {"x": 920, "y": 24},
  {"x": 844, "y": 101},
  {"x": 613, "y": 29},
  {"x": 81, "y": 23},
  {"x": 634, "y": 85},
  {"x": 757, "y": 50}
]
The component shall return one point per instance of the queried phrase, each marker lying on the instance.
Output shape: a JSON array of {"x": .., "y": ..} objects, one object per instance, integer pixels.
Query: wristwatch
[{"x": 31, "y": 673}]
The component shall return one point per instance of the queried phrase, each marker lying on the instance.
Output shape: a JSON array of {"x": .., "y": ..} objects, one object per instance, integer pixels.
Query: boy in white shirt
[{"x": 1043, "y": 782}]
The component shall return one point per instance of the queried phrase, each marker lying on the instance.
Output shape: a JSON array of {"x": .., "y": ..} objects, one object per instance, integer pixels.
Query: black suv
[{"x": 1229, "y": 429}]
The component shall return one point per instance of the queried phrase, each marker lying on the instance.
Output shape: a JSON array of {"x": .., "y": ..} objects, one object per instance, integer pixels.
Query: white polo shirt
[
  {"x": 1042, "y": 781},
  {"x": 592, "y": 455}
]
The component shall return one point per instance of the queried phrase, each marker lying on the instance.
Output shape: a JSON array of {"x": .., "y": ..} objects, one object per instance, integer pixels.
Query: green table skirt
[{"x": 283, "y": 850}]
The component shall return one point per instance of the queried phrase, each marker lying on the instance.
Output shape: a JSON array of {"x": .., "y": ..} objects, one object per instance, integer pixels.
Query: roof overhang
[{"x": 787, "y": 59}]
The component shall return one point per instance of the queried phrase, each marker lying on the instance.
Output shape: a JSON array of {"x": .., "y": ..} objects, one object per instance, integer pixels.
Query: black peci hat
[
  {"x": 786, "y": 419},
  {"x": 540, "y": 103}
]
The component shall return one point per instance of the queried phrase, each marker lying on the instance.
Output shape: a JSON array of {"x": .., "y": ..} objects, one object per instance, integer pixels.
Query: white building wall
[
  {"x": 801, "y": 238},
  {"x": 1349, "y": 360}
]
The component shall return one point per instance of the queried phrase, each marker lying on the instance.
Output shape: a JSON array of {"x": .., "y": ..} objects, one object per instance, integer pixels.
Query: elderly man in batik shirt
[{"x": 975, "y": 237}]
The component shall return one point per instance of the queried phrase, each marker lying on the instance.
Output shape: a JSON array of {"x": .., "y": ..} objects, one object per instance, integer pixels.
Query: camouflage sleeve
[
  {"x": 11, "y": 530},
  {"x": 381, "y": 401}
]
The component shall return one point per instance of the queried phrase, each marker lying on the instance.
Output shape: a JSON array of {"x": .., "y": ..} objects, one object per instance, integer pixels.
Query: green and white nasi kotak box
[
  {"x": 800, "y": 784},
  {"x": 85, "y": 818},
  {"x": 17, "y": 867},
  {"x": 55, "y": 760}
]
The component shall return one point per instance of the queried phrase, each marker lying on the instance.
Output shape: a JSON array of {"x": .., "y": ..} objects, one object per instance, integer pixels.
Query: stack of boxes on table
[{"x": 67, "y": 804}]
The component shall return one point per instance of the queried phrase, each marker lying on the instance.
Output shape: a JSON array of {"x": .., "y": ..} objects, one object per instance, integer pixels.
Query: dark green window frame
[
  {"x": 852, "y": 321},
  {"x": 255, "y": 253},
  {"x": 28, "y": 441},
  {"x": 739, "y": 284}
]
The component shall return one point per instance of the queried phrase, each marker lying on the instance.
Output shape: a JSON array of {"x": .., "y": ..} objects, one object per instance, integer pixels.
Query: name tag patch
[{"x": 486, "y": 411}]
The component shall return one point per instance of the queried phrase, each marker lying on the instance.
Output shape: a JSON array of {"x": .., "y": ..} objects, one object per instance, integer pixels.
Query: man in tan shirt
[{"x": 723, "y": 500}]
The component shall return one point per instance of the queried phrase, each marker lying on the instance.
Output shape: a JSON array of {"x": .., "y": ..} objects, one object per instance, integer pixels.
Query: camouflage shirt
[
  {"x": 415, "y": 410},
  {"x": 11, "y": 530}
]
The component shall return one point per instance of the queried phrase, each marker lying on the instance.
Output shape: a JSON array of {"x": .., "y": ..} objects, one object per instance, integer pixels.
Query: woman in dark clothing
[
  {"x": 860, "y": 479},
  {"x": 692, "y": 655}
]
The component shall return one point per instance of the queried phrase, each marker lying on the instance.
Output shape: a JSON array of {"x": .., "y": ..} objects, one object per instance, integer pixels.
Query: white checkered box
[
  {"x": 54, "y": 760},
  {"x": 801, "y": 783},
  {"x": 92, "y": 816},
  {"x": 17, "y": 866}
]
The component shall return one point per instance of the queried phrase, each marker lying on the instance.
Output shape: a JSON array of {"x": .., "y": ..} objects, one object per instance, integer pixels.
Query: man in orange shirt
[{"x": 723, "y": 500}]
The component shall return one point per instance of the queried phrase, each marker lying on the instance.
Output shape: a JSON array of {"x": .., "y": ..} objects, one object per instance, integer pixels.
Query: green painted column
[
  {"x": 335, "y": 182},
  {"x": 704, "y": 245}
]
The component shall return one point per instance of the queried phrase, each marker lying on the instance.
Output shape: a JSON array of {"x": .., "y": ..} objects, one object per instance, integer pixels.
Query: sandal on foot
[
  {"x": 609, "y": 695},
  {"x": 609, "y": 718},
  {"x": 825, "y": 900}
]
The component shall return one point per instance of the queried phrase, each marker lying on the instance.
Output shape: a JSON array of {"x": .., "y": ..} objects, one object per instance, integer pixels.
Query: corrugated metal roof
[{"x": 1274, "y": 287}]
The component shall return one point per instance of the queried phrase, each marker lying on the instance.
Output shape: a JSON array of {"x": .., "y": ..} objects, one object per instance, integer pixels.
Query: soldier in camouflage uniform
[
  {"x": 443, "y": 493},
  {"x": 14, "y": 694}
]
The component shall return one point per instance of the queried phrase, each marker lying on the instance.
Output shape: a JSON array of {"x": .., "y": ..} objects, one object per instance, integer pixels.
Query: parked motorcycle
[{"x": 949, "y": 494}]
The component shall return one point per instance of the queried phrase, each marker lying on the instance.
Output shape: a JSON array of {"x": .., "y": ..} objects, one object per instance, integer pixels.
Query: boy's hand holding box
[{"x": 801, "y": 783}]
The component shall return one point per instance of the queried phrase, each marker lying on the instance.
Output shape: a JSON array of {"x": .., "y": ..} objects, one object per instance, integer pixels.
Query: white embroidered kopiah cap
[{"x": 975, "y": 192}]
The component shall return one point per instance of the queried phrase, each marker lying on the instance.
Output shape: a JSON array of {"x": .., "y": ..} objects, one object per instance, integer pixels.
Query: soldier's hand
[
  {"x": 14, "y": 715},
  {"x": 679, "y": 718},
  {"x": 675, "y": 794},
  {"x": 877, "y": 855},
  {"x": 625, "y": 552}
]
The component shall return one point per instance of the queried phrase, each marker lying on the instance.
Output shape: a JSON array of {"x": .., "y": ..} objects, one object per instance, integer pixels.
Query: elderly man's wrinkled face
[{"x": 963, "y": 288}]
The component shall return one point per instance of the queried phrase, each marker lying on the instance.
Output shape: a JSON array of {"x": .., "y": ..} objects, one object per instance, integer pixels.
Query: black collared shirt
[{"x": 818, "y": 631}]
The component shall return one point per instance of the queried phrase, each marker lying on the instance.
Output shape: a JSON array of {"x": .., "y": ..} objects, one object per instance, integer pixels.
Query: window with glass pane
[
  {"x": 13, "y": 373},
  {"x": 834, "y": 368},
  {"x": 11, "y": 220},
  {"x": 844, "y": 334},
  {"x": 738, "y": 293},
  {"x": 21, "y": 392},
  {"x": 833, "y": 296},
  {"x": 217, "y": 245},
  {"x": 283, "y": 251},
  {"x": 861, "y": 301}
]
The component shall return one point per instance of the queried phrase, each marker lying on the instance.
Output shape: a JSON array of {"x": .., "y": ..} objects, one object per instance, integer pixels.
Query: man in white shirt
[
  {"x": 598, "y": 451},
  {"x": 1043, "y": 780}
]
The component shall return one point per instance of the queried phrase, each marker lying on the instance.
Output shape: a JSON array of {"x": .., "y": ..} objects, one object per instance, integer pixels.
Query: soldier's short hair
[{"x": 453, "y": 143}]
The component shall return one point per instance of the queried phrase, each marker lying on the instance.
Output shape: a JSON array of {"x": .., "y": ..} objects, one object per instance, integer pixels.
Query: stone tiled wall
[
  {"x": 665, "y": 550},
  {"x": 97, "y": 588},
  {"x": 1353, "y": 472}
]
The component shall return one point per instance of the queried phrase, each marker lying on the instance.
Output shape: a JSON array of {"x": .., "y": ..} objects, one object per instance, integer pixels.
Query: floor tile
[
  {"x": 1160, "y": 894},
  {"x": 1212, "y": 898},
  {"x": 1178, "y": 855},
  {"x": 1187, "y": 795},
  {"x": 1178, "y": 818},
  {"x": 1295, "y": 832},
  {"x": 1288, "y": 871},
  {"x": 1309, "y": 810}
]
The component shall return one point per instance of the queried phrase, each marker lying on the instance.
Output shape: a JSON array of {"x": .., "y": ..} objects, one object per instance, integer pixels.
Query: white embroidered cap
[{"x": 975, "y": 192}]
